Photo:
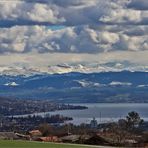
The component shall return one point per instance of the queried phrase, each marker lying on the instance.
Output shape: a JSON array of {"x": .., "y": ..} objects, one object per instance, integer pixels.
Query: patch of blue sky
[{"x": 56, "y": 27}]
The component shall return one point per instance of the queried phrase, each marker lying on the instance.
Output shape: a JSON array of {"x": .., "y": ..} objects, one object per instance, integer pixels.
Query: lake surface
[{"x": 103, "y": 112}]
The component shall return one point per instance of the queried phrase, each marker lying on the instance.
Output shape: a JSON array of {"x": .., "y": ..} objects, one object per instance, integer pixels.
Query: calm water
[{"x": 104, "y": 112}]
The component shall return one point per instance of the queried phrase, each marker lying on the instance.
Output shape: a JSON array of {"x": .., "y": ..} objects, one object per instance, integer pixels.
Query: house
[
  {"x": 48, "y": 139},
  {"x": 83, "y": 138},
  {"x": 8, "y": 136},
  {"x": 94, "y": 124},
  {"x": 35, "y": 133},
  {"x": 97, "y": 140},
  {"x": 23, "y": 137},
  {"x": 70, "y": 138}
]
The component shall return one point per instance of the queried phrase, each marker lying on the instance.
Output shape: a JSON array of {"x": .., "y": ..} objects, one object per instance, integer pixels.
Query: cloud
[
  {"x": 131, "y": 43},
  {"x": 39, "y": 33},
  {"x": 73, "y": 12},
  {"x": 44, "y": 13},
  {"x": 138, "y": 5},
  {"x": 136, "y": 30},
  {"x": 123, "y": 60},
  {"x": 22, "y": 13},
  {"x": 81, "y": 39},
  {"x": 88, "y": 27},
  {"x": 64, "y": 2},
  {"x": 122, "y": 16}
]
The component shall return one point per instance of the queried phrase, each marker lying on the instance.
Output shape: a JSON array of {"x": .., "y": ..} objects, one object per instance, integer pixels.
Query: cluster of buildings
[
  {"x": 23, "y": 124},
  {"x": 12, "y": 107},
  {"x": 36, "y": 135},
  {"x": 89, "y": 139}
]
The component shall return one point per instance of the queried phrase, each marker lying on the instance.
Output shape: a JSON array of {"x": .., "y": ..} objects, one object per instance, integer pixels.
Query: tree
[
  {"x": 118, "y": 134},
  {"x": 1, "y": 120},
  {"x": 46, "y": 129},
  {"x": 133, "y": 120}
]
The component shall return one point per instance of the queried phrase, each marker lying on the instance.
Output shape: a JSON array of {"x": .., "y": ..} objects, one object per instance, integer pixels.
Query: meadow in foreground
[{"x": 26, "y": 144}]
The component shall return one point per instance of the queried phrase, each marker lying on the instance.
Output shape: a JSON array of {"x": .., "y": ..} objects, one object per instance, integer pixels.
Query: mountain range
[
  {"x": 116, "y": 66},
  {"x": 78, "y": 87}
]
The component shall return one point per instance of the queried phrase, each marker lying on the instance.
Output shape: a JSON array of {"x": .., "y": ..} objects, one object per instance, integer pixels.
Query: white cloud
[
  {"x": 19, "y": 12},
  {"x": 139, "y": 5},
  {"x": 72, "y": 12},
  {"x": 43, "y": 13},
  {"x": 69, "y": 40},
  {"x": 124, "y": 16}
]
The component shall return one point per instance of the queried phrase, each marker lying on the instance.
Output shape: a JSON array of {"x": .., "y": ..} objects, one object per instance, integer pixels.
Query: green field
[{"x": 26, "y": 144}]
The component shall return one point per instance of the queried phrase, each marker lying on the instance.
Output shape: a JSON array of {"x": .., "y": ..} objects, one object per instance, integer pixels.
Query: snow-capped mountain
[
  {"x": 75, "y": 87},
  {"x": 74, "y": 67},
  {"x": 77, "y": 82},
  {"x": 14, "y": 71},
  {"x": 11, "y": 84}
]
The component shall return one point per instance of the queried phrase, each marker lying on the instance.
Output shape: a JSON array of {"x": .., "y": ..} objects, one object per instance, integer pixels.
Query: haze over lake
[{"x": 103, "y": 112}]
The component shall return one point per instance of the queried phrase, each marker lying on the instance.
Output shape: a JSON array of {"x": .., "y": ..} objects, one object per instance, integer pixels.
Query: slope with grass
[{"x": 26, "y": 144}]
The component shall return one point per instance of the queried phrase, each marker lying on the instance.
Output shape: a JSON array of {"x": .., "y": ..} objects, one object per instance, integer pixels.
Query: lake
[{"x": 104, "y": 112}]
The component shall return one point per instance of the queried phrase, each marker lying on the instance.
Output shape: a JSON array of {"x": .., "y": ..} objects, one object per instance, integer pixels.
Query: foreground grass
[{"x": 27, "y": 144}]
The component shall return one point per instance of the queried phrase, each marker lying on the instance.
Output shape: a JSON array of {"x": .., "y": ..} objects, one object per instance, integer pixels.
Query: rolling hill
[{"x": 124, "y": 86}]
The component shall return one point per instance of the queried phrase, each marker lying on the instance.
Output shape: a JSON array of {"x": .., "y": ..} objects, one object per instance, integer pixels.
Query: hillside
[
  {"x": 25, "y": 144},
  {"x": 124, "y": 86}
]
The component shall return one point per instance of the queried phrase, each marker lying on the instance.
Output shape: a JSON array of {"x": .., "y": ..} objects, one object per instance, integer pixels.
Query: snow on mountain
[
  {"x": 74, "y": 67},
  {"x": 84, "y": 83},
  {"x": 59, "y": 69},
  {"x": 115, "y": 83},
  {"x": 14, "y": 71},
  {"x": 11, "y": 84},
  {"x": 141, "y": 86}
]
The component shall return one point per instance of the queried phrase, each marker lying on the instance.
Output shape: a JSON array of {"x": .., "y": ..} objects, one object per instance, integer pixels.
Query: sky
[{"x": 42, "y": 33}]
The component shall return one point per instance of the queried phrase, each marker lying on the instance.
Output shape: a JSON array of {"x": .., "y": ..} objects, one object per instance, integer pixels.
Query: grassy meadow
[{"x": 27, "y": 144}]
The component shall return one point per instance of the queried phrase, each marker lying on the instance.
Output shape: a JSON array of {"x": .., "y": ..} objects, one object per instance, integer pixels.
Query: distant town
[{"x": 11, "y": 107}]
